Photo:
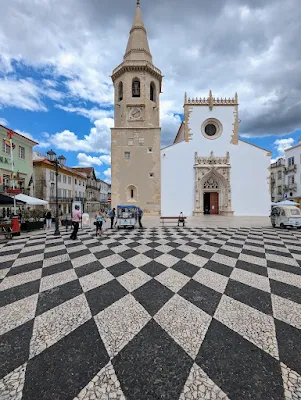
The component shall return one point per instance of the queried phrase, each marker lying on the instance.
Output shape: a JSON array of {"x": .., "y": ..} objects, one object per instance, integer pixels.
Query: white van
[{"x": 284, "y": 216}]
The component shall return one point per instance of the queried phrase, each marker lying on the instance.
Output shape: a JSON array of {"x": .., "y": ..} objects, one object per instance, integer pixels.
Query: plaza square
[{"x": 159, "y": 313}]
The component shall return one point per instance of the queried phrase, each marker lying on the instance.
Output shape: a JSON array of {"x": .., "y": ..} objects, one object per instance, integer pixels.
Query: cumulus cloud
[
  {"x": 26, "y": 94},
  {"x": 107, "y": 174},
  {"x": 26, "y": 134},
  {"x": 248, "y": 46},
  {"x": 3, "y": 122},
  {"x": 283, "y": 144},
  {"x": 92, "y": 114},
  {"x": 97, "y": 141},
  {"x": 84, "y": 160}
]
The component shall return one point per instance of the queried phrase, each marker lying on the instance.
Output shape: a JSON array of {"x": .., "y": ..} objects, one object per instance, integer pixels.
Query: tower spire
[{"x": 137, "y": 47}]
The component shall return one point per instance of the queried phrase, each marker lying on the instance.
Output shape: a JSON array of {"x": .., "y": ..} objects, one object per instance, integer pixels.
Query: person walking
[
  {"x": 140, "y": 214},
  {"x": 112, "y": 215},
  {"x": 48, "y": 219},
  {"x": 76, "y": 217},
  {"x": 99, "y": 222}
]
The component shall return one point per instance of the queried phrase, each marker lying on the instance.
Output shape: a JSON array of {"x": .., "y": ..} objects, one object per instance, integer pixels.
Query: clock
[{"x": 135, "y": 113}]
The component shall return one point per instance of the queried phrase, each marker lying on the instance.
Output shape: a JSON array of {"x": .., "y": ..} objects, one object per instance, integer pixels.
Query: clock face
[{"x": 135, "y": 113}]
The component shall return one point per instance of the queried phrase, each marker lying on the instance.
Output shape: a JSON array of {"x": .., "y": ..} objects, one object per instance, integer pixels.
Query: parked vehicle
[
  {"x": 285, "y": 216},
  {"x": 126, "y": 216}
]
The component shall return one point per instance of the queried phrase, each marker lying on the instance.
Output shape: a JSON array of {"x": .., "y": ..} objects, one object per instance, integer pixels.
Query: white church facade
[{"x": 207, "y": 169}]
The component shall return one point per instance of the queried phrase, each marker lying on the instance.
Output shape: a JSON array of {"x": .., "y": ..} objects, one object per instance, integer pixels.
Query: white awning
[
  {"x": 32, "y": 201},
  {"x": 281, "y": 203}
]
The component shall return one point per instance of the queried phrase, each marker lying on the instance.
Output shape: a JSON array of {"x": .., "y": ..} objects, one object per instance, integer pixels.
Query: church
[{"x": 207, "y": 170}]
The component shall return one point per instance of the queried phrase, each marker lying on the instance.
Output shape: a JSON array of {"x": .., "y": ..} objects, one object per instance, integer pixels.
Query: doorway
[{"x": 211, "y": 205}]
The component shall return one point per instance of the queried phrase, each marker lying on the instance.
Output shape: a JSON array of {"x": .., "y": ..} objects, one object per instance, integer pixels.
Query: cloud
[
  {"x": 3, "y": 122},
  {"x": 26, "y": 94},
  {"x": 92, "y": 114},
  {"x": 107, "y": 174},
  {"x": 283, "y": 144},
  {"x": 26, "y": 134},
  {"x": 97, "y": 141},
  {"x": 85, "y": 160},
  {"x": 248, "y": 46}
]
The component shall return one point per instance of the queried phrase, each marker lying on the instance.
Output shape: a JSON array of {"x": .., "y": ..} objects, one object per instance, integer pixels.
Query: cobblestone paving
[{"x": 152, "y": 314}]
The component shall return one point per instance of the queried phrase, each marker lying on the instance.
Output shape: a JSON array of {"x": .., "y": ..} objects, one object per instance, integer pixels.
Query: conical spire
[{"x": 137, "y": 47}]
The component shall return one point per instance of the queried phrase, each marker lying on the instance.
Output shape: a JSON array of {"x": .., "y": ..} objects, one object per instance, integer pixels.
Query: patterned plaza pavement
[{"x": 172, "y": 313}]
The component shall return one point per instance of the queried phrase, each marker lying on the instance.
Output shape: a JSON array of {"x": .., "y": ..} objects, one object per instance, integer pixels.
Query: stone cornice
[{"x": 128, "y": 66}]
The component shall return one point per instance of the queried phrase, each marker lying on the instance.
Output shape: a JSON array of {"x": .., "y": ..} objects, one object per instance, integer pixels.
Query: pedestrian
[
  {"x": 181, "y": 219},
  {"x": 112, "y": 215},
  {"x": 76, "y": 217},
  {"x": 48, "y": 219},
  {"x": 99, "y": 222},
  {"x": 140, "y": 213}
]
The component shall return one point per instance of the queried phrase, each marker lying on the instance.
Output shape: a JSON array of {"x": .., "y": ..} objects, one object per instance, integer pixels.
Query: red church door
[{"x": 214, "y": 203}]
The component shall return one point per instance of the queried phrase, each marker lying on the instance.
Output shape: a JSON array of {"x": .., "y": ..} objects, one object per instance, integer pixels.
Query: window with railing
[
  {"x": 279, "y": 175},
  {"x": 279, "y": 190},
  {"x": 290, "y": 161},
  {"x": 291, "y": 179},
  {"x": 64, "y": 179}
]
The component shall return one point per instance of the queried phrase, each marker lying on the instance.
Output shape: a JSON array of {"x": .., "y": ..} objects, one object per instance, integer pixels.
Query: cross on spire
[{"x": 138, "y": 3}]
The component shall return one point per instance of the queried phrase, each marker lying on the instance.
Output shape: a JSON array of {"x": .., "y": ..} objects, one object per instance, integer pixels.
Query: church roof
[{"x": 137, "y": 47}]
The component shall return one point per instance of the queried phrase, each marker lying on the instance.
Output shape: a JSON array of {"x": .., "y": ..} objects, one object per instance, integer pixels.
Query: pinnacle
[{"x": 137, "y": 47}]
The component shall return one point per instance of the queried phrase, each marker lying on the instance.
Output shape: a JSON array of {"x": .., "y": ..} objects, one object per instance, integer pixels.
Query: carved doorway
[
  {"x": 212, "y": 185},
  {"x": 211, "y": 203}
]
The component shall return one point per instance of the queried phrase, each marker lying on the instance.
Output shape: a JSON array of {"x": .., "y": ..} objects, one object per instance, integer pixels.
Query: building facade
[
  {"x": 135, "y": 138},
  {"x": 92, "y": 202},
  {"x": 218, "y": 172},
  {"x": 105, "y": 193},
  {"x": 22, "y": 160},
  {"x": 71, "y": 184},
  {"x": 277, "y": 180},
  {"x": 292, "y": 187}
]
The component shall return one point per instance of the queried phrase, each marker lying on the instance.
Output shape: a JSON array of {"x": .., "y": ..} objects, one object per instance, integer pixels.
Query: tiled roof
[
  {"x": 72, "y": 170},
  {"x": 18, "y": 134}
]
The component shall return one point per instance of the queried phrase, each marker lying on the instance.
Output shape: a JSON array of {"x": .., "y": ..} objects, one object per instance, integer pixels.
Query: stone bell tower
[{"x": 135, "y": 148}]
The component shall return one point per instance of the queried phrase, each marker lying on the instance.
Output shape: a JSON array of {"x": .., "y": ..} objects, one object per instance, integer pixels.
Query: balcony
[
  {"x": 92, "y": 186},
  {"x": 52, "y": 199},
  {"x": 290, "y": 168},
  {"x": 290, "y": 186},
  {"x": 93, "y": 199}
]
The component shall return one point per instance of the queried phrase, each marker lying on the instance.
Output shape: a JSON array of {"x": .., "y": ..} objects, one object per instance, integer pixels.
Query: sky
[{"x": 56, "y": 58}]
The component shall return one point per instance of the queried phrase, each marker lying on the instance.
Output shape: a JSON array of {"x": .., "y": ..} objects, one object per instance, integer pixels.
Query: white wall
[
  {"x": 249, "y": 172},
  {"x": 250, "y": 180}
]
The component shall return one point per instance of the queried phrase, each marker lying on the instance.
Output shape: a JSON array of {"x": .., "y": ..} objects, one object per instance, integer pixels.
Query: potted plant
[{"x": 33, "y": 219}]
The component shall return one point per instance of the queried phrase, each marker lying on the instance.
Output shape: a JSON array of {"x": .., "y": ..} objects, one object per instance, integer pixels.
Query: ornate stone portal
[{"x": 212, "y": 174}]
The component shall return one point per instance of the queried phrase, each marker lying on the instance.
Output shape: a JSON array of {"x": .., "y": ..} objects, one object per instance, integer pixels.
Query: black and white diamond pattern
[{"x": 152, "y": 314}]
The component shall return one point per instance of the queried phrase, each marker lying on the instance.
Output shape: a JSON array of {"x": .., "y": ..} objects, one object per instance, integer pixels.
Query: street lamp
[{"x": 60, "y": 161}]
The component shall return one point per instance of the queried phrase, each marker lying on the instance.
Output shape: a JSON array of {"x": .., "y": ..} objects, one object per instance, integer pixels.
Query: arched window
[
  {"x": 136, "y": 88},
  {"x": 131, "y": 193},
  {"x": 152, "y": 92},
  {"x": 120, "y": 91}
]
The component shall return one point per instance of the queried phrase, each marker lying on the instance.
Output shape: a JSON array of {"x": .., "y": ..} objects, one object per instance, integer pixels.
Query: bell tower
[{"x": 135, "y": 138}]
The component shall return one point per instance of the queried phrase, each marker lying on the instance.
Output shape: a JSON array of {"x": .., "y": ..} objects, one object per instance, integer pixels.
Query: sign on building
[{"x": 77, "y": 203}]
